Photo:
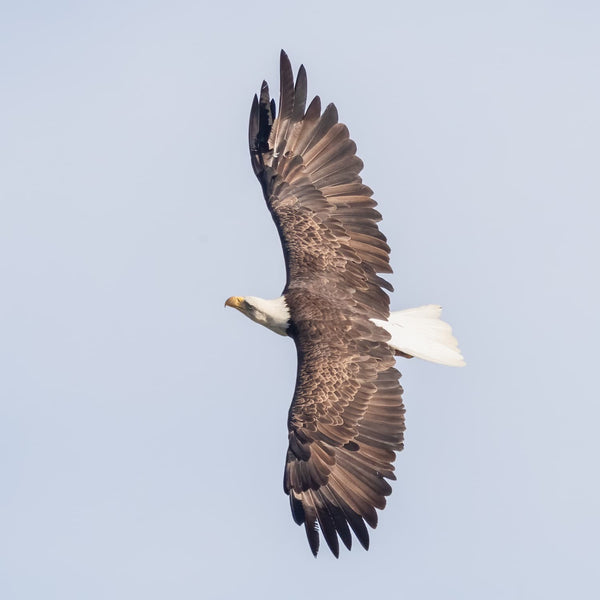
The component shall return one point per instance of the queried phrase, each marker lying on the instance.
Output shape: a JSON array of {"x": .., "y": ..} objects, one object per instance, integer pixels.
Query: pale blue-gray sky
[{"x": 142, "y": 426}]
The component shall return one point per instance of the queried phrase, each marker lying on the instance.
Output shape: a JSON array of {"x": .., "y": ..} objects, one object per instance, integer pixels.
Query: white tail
[{"x": 420, "y": 332}]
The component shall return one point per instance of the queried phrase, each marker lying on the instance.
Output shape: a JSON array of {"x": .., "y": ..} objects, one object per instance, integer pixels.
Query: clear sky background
[{"x": 143, "y": 426}]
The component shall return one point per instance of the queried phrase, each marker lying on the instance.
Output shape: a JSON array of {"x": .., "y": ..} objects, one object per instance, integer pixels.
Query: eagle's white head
[{"x": 273, "y": 314}]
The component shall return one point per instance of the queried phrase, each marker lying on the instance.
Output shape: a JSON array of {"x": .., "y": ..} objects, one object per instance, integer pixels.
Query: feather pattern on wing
[{"x": 347, "y": 418}]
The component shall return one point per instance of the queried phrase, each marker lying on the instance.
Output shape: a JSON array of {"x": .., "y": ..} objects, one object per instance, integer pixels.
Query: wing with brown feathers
[{"x": 347, "y": 418}]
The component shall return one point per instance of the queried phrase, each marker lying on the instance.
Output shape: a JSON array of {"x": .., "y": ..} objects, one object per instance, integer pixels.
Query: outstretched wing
[{"x": 347, "y": 418}]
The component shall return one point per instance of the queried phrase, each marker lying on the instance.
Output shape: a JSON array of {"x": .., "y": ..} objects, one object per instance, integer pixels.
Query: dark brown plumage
[{"x": 346, "y": 420}]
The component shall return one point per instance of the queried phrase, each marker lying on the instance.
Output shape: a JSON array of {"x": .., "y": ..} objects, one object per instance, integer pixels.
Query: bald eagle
[{"x": 346, "y": 420}]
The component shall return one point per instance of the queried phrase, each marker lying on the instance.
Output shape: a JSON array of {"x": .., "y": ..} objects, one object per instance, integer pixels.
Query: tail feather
[{"x": 420, "y": 332}]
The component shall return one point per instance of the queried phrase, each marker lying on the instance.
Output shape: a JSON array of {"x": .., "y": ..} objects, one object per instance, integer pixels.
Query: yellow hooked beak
[{"x": 235, "y": 302}]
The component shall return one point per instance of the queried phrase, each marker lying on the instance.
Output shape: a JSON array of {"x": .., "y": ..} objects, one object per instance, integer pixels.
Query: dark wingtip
[
  {"x": 297, "y": 510},
  {"x": 313, "y": 112},
  {"x": 300, "y": 90},
  {"x": 313, "y": 536},
  {"x": 253, "y": 124},
  {"x": 331, "y": 112},
  {"x": 301, "y": 77},
  {"x": 284, "y": 62}
]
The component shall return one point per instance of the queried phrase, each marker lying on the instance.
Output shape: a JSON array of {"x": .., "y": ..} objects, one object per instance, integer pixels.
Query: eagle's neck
[{"x": 273, "y": 314}]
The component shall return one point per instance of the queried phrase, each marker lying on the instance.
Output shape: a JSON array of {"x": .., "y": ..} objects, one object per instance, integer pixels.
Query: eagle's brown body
[
  {"x": 346, "y": 421},
  {"x": 347, "y": 417}
]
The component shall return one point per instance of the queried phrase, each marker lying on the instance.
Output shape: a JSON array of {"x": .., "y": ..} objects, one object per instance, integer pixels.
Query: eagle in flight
[{"x": 346, "y": 420}]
